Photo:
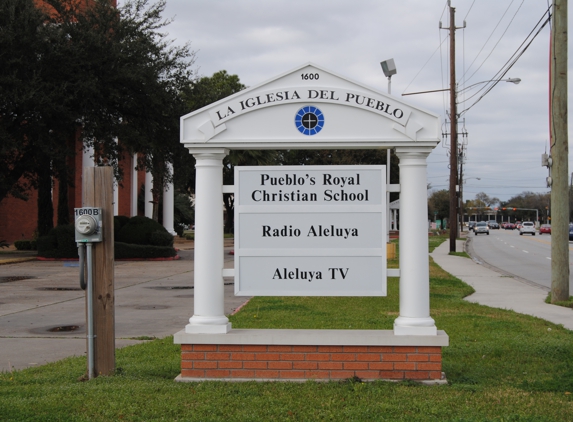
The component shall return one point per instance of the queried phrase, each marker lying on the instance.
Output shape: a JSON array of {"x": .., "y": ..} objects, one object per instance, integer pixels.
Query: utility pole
[
  {"x": 453, "y": 135},
  {"x": 461, "y": 189},
  {"x": 560, "y": 154},
  {"x": 97, "y": 191}
]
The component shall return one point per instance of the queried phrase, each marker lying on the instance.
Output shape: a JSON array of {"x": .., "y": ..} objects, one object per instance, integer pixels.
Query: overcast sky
[{"x": 507, "y": 130}]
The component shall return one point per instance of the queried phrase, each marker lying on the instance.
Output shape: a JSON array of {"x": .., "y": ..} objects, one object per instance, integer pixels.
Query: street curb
[{"x": 16, "y": 260}]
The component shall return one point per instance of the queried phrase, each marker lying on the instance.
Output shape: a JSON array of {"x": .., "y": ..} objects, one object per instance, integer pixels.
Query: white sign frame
[{"x": 318, "y": 260}]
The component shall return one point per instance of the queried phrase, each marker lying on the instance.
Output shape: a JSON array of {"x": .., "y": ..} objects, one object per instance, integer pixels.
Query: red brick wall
[
  {"x": 18, "y": 218},
  {"x": 311, "y": 362}
]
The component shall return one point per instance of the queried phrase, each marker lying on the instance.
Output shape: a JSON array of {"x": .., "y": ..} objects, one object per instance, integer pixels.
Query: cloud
[{"x": 508, "y": 128}]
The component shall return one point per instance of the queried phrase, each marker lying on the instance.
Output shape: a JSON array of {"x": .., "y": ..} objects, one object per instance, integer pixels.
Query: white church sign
[
  {"x": 326, "y": 238},
  {"x": 310, "y": 231}
]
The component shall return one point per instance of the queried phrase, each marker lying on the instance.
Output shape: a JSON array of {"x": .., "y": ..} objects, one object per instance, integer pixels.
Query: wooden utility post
[
  {"x": 97, "y": 189},
  {"x": 560, "y": 156},
  {"x": 453, "y": 136}
]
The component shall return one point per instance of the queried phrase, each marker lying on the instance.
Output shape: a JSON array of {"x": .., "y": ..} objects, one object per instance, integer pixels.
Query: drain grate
[
  {"x": 180, "y": 287},
  {"x": 10, "y": 278},
  {"x": 150, "y": 307},
  {"x": 62, "y": 289},
  {"x": 64, "y": 328}
]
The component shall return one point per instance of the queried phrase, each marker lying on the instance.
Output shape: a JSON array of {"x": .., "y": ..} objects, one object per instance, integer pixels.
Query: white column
[
  {"x": 87, "y": 161},
  {"x": 168, "y": 204},
  {"x": 148, "y": 195},
  {"x": 115, "y": 196},
  {"x": 115, "y": 191},
  {"x": 388, "y": 215},
  {"x": 134, "y": 186},
  {"x": 209, "y": 314},
  {"x": 414, "y": 316}
]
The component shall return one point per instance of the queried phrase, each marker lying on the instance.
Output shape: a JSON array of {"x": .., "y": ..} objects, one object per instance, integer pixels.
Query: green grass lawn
[{"x": 500, "y": 366}]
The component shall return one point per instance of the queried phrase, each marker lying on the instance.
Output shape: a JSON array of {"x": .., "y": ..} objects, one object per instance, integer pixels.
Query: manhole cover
[
  {"x": 151, "y": 307},
  {"x": 171, "y": 288},
  {"x": 64, "y": 328},
  {"x": 10, "y": 278},
  {"x": 59, "y": 288}
]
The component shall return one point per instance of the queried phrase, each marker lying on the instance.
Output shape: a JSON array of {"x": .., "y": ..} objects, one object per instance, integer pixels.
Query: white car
[
  {"x": 527, "y": 227},
  {"x": 481, "y": 227}
]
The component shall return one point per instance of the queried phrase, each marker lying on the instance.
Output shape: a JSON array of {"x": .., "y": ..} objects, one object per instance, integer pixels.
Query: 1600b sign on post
[{"x": 310, "y": 231}]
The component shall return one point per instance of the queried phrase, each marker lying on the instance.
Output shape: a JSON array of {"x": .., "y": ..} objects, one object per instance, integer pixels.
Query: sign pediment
[{"x": 309, "y": 107}]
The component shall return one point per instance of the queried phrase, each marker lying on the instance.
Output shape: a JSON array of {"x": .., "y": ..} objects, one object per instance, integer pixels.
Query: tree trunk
[
  {"x": 45, "y": 205},
  {"x": 63, "y": 205}
]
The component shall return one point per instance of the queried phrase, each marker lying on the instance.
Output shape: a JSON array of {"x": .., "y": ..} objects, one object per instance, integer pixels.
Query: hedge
[
  {"x": 158, "y": 243},
  {"x": 127, "y": 251},
  {"x": 59, "y": 243},
  {"x": 139, "y": 230},
  {"x": 25, "y": 245}
]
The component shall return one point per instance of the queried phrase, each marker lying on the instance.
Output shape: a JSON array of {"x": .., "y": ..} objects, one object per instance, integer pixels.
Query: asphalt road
[{"x": 527, "y": 257}]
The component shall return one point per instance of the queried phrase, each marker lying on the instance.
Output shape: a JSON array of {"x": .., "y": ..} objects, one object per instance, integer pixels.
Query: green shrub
[
  {"x": 25, "y": 245},
  {"x": 45, "y": 244},
  {"x": 118, "y": 222},
  {"x": 190, "y": 236},
  {"x": 179, "y": 229},
  {"x": 59, "y": 243},
  {"x": 161, "y": 238},
  {"x": 66, "y": 238},
  {"x": 127, "y": 251},
  {"x": 138, "y": 230}
]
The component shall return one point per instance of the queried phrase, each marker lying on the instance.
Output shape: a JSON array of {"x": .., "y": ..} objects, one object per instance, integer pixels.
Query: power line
[
  {"x": 420, "y": 71},
  {"x": 464, "y": 79},
  {"x": 470, "y": 9},
  {"x": 511, "y": 62}
]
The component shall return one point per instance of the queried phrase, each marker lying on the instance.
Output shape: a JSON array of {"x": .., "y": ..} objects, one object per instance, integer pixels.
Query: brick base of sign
[{"x": 296, "y": 362}]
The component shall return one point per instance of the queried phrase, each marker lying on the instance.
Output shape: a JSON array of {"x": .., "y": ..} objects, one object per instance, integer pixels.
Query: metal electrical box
[{"x": 88, "y": 224}]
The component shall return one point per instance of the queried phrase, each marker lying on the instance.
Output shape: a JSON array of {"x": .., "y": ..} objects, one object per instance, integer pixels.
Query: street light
[
  {"x": 515, "y": 81},
  {"x": 389, "y": 69},
  {"x": 512, "y": 80}
]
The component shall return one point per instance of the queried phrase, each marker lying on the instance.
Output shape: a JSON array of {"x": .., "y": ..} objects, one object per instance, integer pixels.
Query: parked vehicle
[
  {"x": 493, "y": 224},
  {"x": 545, "y": 228},
  {"x": 527, "y": 227},
  {"x": 481, "y": 227}
]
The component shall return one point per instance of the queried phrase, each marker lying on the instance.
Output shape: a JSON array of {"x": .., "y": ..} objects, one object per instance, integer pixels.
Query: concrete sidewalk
[
  {"x": 500, "y": 291},
  {"x": 42, "y": 308}
]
